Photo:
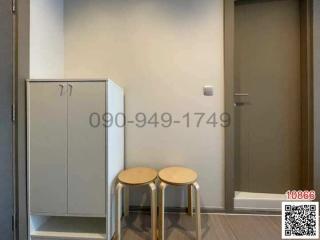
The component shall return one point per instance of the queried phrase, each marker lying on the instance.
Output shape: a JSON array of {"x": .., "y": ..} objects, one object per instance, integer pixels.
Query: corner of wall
[{"x": 47, "y": 38}]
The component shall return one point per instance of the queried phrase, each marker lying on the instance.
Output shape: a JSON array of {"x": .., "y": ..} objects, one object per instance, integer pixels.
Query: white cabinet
[{"x": 71, "y": 170}]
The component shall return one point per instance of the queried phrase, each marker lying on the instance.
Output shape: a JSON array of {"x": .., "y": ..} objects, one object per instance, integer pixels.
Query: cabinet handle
[
  {"x": 70, "y": 89},
  {"x": 61, "y": 89},
  {"x": 242, "y": 94}
]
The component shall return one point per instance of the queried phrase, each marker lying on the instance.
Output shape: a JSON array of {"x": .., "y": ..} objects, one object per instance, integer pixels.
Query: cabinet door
[
  {"x": 48, "y": 147},
  {"x": 86, "y": 149}
]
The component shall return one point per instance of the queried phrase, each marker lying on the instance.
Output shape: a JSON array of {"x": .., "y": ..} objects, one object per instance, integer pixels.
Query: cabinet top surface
[{"x": 68, "y": 80}]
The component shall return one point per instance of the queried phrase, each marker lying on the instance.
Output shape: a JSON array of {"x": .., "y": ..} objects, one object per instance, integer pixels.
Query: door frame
[
  {"x": 306, "y": 50},
  {"x": 22, "y": 60},
  {"x": 10, "y": 111}
]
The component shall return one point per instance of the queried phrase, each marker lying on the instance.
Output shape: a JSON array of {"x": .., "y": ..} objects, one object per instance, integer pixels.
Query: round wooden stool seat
[
  {"x": 178, "y": 176},
  {"x": 137, "y": 176}
]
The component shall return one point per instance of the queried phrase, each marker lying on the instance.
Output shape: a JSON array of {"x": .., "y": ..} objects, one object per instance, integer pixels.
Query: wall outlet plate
[{"x": 208, "y": 90}]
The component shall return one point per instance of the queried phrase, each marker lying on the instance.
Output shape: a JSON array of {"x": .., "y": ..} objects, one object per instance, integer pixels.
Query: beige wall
[
  {"x": 162, "y": 53},
  {"x": 46, "y": 39}
]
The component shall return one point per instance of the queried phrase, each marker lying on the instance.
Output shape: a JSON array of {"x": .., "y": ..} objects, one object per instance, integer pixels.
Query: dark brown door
[
  {"x": 267, "y": 97},
  {"x": 6, "y": 156}
]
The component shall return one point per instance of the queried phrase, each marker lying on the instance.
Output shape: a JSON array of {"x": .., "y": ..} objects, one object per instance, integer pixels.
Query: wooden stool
[
  {"x": 137, "y": 177},
  {"x": 179, "y": 176}
]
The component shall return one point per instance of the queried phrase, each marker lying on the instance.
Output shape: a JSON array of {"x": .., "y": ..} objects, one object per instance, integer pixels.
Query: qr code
[{"x": 300, "y": 220}]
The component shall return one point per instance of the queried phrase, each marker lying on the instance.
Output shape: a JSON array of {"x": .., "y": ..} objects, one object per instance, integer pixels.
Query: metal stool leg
[
  {"x": 126, "y": 201},
  {"x": 153, "y": 189},
  {"x": 197, "y": 203},
  {"x": 190, "y": 201},
  {"x": 161, "y": 210},
  {"x": 119, "y": 209}
]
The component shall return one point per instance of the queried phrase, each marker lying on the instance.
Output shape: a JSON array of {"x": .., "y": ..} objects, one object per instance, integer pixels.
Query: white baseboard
[{"x": 258, "y": 201}]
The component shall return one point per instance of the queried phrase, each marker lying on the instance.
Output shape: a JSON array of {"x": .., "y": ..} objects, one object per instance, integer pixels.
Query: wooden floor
[{"x": 214, "y": 227}]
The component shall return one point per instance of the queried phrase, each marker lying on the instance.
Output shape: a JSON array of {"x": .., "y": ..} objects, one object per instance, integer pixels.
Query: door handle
[
  {"x": 70, "y": 89},
  {"x": 239, "y": 104},
  {"x": 241, "y": 94},
  {"x": 61, "y": 89}
]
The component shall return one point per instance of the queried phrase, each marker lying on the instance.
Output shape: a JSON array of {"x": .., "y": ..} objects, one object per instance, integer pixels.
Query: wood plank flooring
[{"x": 214, "y": 227}]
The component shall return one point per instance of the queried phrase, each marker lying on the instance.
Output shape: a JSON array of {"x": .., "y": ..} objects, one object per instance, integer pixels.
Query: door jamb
[
  {"x": 22, "y": 26},
  {"x": 306, "y": 46},
  {"x": 229, "y": 102},
  {"x": 306, "y": 9}
]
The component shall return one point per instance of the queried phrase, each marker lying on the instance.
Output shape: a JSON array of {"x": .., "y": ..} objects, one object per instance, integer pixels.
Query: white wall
[
  {"x": 46, "y": 39},
  {"x": 162, "y": 53}
]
